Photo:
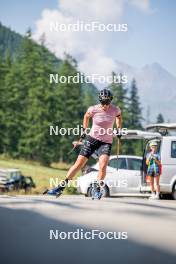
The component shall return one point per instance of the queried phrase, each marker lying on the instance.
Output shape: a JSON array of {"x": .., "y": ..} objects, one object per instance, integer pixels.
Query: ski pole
[
  {"x": 118, "y": 147},
  {"x": 79, "y": 142},
  {"x": 76, "y": 144}
]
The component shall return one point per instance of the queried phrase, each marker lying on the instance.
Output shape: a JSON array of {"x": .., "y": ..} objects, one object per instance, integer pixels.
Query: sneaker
[
  {"x": 152, "y": 196},
  {"x": 155, "y": 197}
]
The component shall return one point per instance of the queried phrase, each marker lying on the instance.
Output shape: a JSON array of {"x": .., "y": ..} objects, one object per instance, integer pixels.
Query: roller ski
[
  {"x": 56, "y": 191},
  {"x": 97, "y": 192}
]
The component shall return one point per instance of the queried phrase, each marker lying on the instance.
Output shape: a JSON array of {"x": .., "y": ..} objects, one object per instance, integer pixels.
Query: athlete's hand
[
  {"x": 119, "y": 133},
  {"x": 76, "y": 143},
  {"x": 83, "y": 134}
]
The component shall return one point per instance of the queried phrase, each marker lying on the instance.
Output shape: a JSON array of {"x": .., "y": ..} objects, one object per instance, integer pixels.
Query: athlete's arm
[
  {"x": 86, "y": 120},
  {"x": 119, "y": 121},
  {"x": 85, "y": 125}
]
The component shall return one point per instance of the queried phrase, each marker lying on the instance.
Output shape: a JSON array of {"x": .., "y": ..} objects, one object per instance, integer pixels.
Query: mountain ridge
[
  {"x": 156, "y": 85},
  {"x": 157, "y": 88}
]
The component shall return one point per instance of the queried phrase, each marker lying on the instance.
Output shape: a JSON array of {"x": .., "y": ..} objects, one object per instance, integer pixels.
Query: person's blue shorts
[{"x": 153, "y": 173}]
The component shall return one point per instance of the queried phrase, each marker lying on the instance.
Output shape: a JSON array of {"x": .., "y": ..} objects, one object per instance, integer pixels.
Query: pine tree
[
  {"x": 88, "y": 96},
  {"x": 160, "y": 119},
  {"x": 36, "y": 143},
  {"x": 3, "y": 72},
  {"x": 69, "y": 105},
  {"x": 120, "y": 98},
  {"x": 148, "y": 113},
  {"x": 29, "y": 104},
  {"x": 134, "y": 109},
  {"x": 17, "y": 84},
  {"x": 135, "y": 118}
]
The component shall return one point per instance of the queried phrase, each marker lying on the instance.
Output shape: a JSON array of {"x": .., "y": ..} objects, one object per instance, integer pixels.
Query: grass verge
[{"x": 40, "y": 174}]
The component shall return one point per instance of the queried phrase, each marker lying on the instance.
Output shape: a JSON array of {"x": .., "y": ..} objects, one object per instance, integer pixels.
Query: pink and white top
[{"x": 103, "y": 121}]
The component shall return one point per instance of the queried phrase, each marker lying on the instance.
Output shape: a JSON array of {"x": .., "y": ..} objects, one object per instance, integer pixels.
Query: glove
[{"x": 83, "y": 134}]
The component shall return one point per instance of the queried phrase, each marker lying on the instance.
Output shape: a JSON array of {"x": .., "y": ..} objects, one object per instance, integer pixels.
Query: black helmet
[{"x": 105, "y": 96}]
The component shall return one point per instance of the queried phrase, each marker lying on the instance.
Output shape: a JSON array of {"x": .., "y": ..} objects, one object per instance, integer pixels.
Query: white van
[
  {"x": 137, "y": 182},
  {"x": 165, "y": 134}
]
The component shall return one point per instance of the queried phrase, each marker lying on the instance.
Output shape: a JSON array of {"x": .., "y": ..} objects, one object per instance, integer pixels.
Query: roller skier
[{"x": 100, "y": 138}]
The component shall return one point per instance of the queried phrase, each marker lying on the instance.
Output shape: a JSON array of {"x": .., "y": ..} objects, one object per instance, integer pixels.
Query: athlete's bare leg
[
  {"x": 80, "y": 163},
  {"x": 103, "y": 163}
]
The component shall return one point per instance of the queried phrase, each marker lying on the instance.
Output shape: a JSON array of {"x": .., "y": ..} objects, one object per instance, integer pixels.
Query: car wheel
[
  {"x": 105, "y": 191},
  {"x": 89, "y": 192},
  {"x": 174, "y": 191}
]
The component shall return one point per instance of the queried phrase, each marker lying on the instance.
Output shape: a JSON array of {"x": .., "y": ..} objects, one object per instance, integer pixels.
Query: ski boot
[
  {"x": 55, "y": 191},
  {"x": 96, "y": 191}
]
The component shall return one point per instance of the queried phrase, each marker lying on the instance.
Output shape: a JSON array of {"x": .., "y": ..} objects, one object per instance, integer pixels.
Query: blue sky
[
  {"x": 20, "y": 14},
  {"x": 151, "y": 36}
]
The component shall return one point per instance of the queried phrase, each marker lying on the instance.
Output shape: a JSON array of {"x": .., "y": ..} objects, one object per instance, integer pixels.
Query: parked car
[
  {"x": 12, "y": 179},
  {"x": 123, "y": 175},
  {"x": 128, "y": 174}
]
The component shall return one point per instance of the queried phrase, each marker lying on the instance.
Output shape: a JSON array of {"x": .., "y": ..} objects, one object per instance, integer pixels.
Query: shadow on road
[
  {"x": 25, "y": 239},
  {"x": 151, "y": 205}
]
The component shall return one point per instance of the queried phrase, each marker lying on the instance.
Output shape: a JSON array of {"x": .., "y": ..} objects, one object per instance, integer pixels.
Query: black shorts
[{"x": 91, "y": 145}]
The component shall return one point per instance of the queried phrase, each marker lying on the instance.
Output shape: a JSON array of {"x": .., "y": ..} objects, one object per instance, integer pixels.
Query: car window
[
  {"x": 173, "y": 149},
  {"x": 120, "y": 163},
  {"x": 134, "y": 164}
]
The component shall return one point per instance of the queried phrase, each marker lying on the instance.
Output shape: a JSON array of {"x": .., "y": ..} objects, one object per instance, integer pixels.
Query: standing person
[
  {"x": 153, "y": 162},
  {"x": 100, "y": 139}
]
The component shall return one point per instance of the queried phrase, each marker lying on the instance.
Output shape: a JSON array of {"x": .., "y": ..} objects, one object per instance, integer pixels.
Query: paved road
[{"x": 26, "y": 221}]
